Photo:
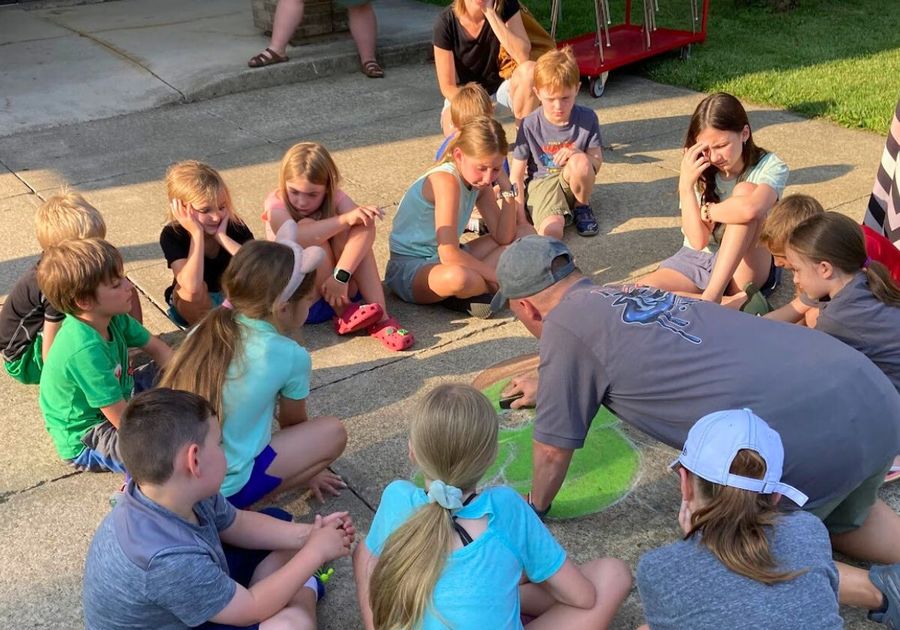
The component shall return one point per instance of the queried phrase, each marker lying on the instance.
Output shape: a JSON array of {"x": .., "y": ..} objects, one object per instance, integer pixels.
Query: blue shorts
[
  {"x": 401, "y": 271},
  {"x": 321, "y": 310},
  {"x": 242, "y": 564},
  {"x": 260, "y": 482}
]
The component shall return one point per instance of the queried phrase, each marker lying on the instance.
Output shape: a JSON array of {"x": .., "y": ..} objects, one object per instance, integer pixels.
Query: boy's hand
[
  {"x": 362, "y": 215},
  {"x": 325, "y": 481},
  {"x": 562, "y": 156},
  {"x": 693, "y": 163},
  {"x": 344, "y": 521},
  {"x": 329, "y": 540},
  {"x": 186, "y": 217},
  {"x": 525, "y": 384}
]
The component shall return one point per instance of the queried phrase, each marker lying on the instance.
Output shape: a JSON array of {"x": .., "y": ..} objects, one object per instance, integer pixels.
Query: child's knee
[
  {"x": 552, "y": 226},
  {"x": 610, "y": 576},
  {"x": 454, "y": 279},
  {"x": 335, "y": 434},
  {"x": 579, "y": 167}
]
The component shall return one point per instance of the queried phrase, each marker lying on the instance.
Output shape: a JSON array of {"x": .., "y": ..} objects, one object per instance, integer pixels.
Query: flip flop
[
  {"x": 266, "y": 58},
  {"x": 356, "y": 317},
  {"x": 372, "y": 69},
  {"x": 391, "y": 335},
  {"x": 893, "y": 474}
]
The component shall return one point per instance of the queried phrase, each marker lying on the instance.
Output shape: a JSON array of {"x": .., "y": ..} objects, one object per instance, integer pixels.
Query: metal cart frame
[{"x": 612, "y": 47}]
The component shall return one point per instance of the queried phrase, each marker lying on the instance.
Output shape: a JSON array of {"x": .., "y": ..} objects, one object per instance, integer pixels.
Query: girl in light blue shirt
[
  {"x": 450, "y": 556},
  {"x": 241, "y": 358}
]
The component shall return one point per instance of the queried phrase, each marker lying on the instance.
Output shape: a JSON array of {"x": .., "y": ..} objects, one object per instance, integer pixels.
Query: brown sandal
[
  {"x": 266, "y": 58},
  {"x": 372, "y": 70}
]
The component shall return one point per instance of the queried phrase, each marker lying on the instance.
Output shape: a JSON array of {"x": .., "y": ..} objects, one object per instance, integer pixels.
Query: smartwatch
[{"x": 342, "y": 275}]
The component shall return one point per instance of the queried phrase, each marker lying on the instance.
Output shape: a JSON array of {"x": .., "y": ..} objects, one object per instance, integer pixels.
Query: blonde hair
[
  {"x": 252, "y": 282},
  {"x": 311, "y": 161},
  {"x": 470, "y": 101},
  {"x": 71, "y": 272},
  {"x": 732, "y": 523},
  {"x": 453, "y": 435},
  {"x": 198, "y": 184},
  {"x": 478, "y": 138},
  {"x": 784, "y": 217},
  {"x": 66, "y": 215},
  {"x": 556, "y": 69},
  {"x": 837, "y": 239}
]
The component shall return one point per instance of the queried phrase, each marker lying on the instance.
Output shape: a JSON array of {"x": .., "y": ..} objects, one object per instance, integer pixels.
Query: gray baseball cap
[{"x": 524, "y": 269}]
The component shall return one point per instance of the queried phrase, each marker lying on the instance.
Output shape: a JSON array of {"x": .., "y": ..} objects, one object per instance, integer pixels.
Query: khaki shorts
[
  {"x": 550, "y": 196},
  {"x": 849, "y": 512}
]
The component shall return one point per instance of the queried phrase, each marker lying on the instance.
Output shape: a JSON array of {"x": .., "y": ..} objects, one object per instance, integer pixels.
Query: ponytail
[
  {"x": 453, "y": 435},
  {"x": 253, "y": 282},
  {"x": 837, "y": 239},
  {"x": 732, "y": 523}
]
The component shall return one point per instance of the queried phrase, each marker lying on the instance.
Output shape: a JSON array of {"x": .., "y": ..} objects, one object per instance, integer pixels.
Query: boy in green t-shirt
[{"x": 86, "y": 379}]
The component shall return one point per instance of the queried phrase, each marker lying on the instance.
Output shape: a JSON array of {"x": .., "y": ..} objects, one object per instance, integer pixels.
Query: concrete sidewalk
[{"x": 80, "y": 63}]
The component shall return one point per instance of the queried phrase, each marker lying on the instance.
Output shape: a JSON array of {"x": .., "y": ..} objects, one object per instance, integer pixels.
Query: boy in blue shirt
[
  {"x": 157, "y": 560},
  {"x": 559, "y": 147}
]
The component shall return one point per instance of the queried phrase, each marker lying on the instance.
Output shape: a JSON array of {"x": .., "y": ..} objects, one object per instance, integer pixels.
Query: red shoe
[
  {"x": 356, "y": 317},
  {"x": 391, "y": 335}
]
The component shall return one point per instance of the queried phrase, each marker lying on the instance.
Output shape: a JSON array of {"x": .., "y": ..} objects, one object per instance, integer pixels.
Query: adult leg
[
  {"x": 305, "y": 449},
  {"x": 300, "y": 611},
  {"x": 522, "y": 98},
  {"x": 288, "y": 15},
  {"x": 364, "y": 28},
  {"x": 878, "y": 540},
  {"x": 612, "y": 581}
]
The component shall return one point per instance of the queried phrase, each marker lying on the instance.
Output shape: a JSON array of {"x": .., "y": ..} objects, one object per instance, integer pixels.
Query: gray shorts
[
  {"x": 694, "y": 265},
  {"x": 401, "y": 271},
  {"x": 849, "y": 512}
]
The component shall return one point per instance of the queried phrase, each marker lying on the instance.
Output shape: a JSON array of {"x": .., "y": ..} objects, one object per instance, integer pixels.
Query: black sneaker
[{"x": 478, "y": 306}]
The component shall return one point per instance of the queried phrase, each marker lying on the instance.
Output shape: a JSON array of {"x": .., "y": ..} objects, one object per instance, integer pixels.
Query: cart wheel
[
  {"x": 685, "y": 53},
  {"x": 597, "y": 85}
]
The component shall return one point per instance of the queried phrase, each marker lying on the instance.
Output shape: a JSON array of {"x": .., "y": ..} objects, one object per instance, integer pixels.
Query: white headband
[{"x": 305, "y": 259}]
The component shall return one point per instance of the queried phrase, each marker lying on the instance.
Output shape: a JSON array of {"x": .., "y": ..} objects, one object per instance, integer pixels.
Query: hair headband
[{"x": 305, "y": 259}]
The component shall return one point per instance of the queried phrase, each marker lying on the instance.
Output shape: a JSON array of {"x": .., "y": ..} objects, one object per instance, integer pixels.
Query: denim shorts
[
  {"x": 401, "y": 271},
  {"x": 694, "y": 265},
  {"x": 260, "y": 482}
]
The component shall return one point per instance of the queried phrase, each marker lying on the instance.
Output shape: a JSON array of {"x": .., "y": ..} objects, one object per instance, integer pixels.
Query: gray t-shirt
[
  {"x": 660, "y": 362},
  {"x": 864, "y": 322},
  {"x": 683, "y": 585},
  {"x": 538, "y": 139},
  {"x": 149, "y": 568}
]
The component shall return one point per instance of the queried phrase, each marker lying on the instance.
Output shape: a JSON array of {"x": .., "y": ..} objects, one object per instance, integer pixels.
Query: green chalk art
[{"x": 601, "y": 473}]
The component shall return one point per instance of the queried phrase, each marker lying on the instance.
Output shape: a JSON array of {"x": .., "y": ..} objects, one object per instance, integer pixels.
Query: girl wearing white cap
[
  {"x": 450, "y": 556},
  {"x": 742, "y": 563}
]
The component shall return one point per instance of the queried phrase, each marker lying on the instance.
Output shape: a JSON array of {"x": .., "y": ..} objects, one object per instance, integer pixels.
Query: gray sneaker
[{"x": 887, "y": 579}]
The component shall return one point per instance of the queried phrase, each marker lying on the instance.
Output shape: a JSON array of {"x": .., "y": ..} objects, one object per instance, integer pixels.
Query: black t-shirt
[
  {"x": 176, "y": 244},
  {"x": 475, "y": 59},
  {"x": 23, "y": 316}
]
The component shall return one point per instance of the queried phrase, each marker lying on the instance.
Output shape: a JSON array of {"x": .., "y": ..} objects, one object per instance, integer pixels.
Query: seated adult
[
  {"x": 467, "y": 40},
  {"x": 659, "y": 361}
]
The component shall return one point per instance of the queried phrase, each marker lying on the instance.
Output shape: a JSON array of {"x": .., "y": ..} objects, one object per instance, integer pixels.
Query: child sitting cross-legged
[
  {"x": 243, "y": 359},
  {"x": 86, "y": 380},
  {"x": 28, "y": 323},
  {"x": 558, "y": 147},
  {"x": 452, "y": 555},
  {"x": 174, "y": 553},
  {"x": 739, "y": 555}
]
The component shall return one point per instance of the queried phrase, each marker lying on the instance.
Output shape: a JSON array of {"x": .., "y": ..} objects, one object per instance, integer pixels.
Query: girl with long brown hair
[
  {"x": 451, "y": 555},
  {"x": 427, "y": 262},
  {"x": 726, "y": 187},
  {"x": 740, "y": 555},
  {"x": 348, "y": 286},
  {"x": 859, "y": 303},
  {"x": 242, "y": 358}
]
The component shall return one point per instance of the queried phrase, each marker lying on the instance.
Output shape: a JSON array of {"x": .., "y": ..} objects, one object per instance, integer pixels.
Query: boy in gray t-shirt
[
  {"x": 157, "y": 560},
  {"x": 558, "y": 147}
]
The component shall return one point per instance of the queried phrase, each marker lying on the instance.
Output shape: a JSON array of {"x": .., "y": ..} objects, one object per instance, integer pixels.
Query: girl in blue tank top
[{"x": 427, "y": 263}]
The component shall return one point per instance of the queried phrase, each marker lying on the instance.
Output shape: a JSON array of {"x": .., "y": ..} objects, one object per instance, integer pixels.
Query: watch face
[{"x": 342, "y": 275}]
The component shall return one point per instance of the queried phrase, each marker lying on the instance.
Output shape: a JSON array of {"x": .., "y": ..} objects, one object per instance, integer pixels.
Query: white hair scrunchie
[
  {"x": 305, "y": 259},
  {"x": 448, "y": 497}
]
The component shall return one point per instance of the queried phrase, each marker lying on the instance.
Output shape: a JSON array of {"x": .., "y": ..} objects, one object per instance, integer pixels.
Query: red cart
[{"x": 612, "y": 47}]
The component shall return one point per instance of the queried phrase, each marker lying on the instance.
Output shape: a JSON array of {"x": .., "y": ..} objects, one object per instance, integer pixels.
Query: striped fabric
[{"x": 883, "y": 213}]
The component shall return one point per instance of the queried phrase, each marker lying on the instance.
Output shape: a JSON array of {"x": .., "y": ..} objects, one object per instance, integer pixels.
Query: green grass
[{"x": 835, "y": 59}]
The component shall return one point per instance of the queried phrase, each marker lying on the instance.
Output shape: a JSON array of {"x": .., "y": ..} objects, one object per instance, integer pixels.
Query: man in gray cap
[{"x": 659, "y": 361}]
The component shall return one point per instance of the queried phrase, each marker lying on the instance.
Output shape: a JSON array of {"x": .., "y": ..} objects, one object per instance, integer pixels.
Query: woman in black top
[{"x": 467, "y": 40}]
